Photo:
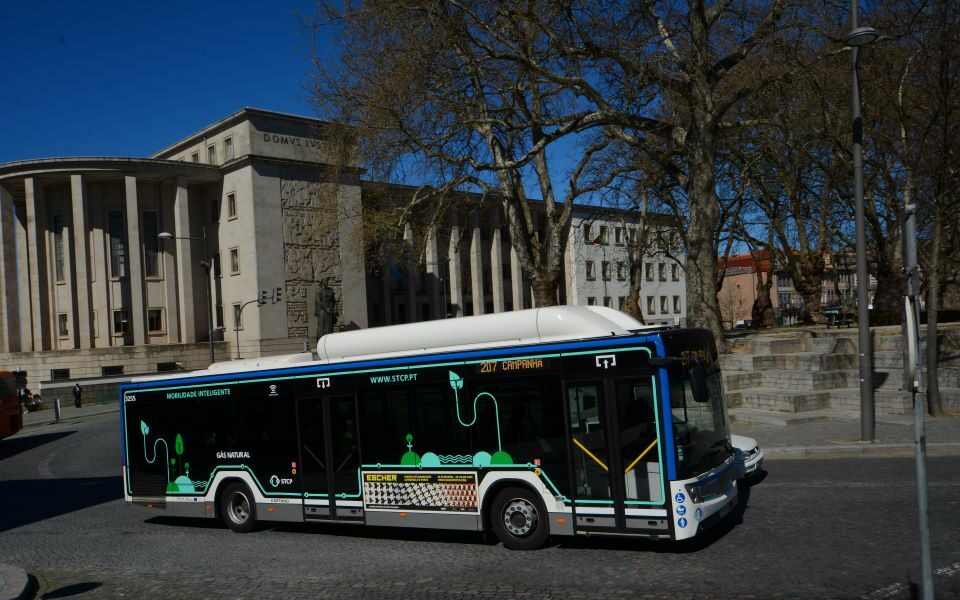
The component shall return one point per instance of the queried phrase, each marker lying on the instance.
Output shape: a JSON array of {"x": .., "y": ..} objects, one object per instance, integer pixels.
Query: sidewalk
[{"x": 67, "y": 413}]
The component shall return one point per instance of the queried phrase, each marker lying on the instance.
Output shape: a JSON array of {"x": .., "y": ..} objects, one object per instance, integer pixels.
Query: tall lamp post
[
  {"x": 205, "y": 263},
  {"x": 858, "y": 37}
]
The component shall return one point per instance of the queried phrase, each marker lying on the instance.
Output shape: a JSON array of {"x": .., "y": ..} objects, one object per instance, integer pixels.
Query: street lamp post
[
  {"x": 238, "y": 319},
  {"x": 861, "y": 36},
  {"x": 205, "y": 263}
]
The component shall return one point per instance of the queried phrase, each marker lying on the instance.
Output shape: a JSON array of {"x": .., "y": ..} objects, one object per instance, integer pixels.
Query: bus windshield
[{"x": 700, "y": 429}]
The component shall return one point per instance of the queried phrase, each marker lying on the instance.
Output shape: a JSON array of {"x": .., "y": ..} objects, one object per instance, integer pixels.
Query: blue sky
[{"x": 115, "y": 78}]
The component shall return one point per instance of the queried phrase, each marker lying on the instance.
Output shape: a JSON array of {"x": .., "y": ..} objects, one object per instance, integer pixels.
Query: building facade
[{"x": 116, "y": 266}]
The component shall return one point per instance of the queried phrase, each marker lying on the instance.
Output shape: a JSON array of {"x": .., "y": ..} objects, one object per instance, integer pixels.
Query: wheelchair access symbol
[{"x": 606, "y": 360}]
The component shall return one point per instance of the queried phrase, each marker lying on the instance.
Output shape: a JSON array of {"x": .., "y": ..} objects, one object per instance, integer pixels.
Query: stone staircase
[{"x": 813, "y": 373}]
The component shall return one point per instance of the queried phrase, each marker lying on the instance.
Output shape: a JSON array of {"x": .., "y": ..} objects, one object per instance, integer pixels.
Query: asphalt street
[{"x": 811, "y": 529}]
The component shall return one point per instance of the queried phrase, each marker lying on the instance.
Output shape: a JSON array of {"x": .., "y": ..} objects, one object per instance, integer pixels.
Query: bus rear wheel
[
  {"x": 519, "y": 519},
  {"x": 237, "y": 508}
]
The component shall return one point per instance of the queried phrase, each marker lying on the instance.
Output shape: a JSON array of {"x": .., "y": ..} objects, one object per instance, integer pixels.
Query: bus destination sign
[{"x": 513, "y": 365}]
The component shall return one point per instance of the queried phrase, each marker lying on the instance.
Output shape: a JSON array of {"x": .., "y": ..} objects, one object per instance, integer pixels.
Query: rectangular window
[
  {"x": 662, "y": 269},
  {"x": 151, "y": 245},
  {"x": 111, "y": 370},
  {"x": 618, "y": 236},
  {"x": 591, "y": 273},
  {"x": 591, "y": 301},
  {"x": 621, "y": 271},
  {"x": 608, "y": 301},
  {"x": 234, "y": 261},
  {"x": 58, "y": 247},
  {"x": 195, "y": 157},
  {"x": 675, "y": 272},
  {"x": 62, "y": 329},
  {"x": 603, "y": 236},
  {"x": 212, "y": 155},
  {"x": 587, "y": 238},
  {"x": 217, "y": 268},
  {"x": 648, "y": 271},
  {"x": 166, "y": 367},
  {"x": 605, "y": 270},
  {"x": 120, "y": 322},
  {"x": 59, "y": 374},
  {"x": 621, "y": 302},
  {"x": 214, "y": 211},
  {"x": 664, "y": 308},
  {"x": 228, "y": 148},
  {"x": 676, "y": 304},
  {"x": 155, "y": 320},
  {"x": 237, "y": 324},
  {"x": 118, "y": 244},
  {"x": 651, "y": 305},
  {"x": 219, "y": 315},
  {"x": 231, "y": 206}
]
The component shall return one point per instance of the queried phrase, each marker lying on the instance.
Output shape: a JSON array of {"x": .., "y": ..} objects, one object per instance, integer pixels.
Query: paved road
[{"x": 810, "y": 529}]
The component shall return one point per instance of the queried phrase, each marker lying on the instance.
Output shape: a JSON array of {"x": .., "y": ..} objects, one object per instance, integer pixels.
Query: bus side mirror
[{"x": 698, "y": 383}]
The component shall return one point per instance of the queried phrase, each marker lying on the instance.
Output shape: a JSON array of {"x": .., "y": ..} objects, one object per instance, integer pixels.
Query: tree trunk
[
  {"x": 810, "y": 288},
  {"x": 762, "y": 313},
  {"x": 545, "y": 289},
  {"x": 934, "y": 401},
  {"x": 631, "y": 305}
]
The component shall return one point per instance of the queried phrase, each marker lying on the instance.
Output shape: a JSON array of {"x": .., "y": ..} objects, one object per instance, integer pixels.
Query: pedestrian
[{"x": 76, "y": 395}]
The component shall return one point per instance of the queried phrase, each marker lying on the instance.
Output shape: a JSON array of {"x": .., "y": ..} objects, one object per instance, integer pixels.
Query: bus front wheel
[
  {"x": 519, "y": 519},
  {"x": 237, "y": 508}
]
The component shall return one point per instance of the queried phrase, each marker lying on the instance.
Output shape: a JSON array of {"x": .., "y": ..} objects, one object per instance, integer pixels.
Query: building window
[
  {"x": 676, "y": 304},
  {"x": 212, "y": 155},
  {"x": 231, "y": 206},
  {"x": 608, "y": 301},
  {"x": 62, "y": 329},
  {"x": 234, "y": 261},
  {"x": 59, "y": 374},
  {"x": 648, "y": 271},
  {"x": 151, "y": 245},
  {"x": 111, "y": 370},
  {"x": 587, "y": 238},
  {"x": 58, "y": 247},
  {"x": 217, "y": 269},
  {"x": 675, "y": 272},
  {"x": 215, "y": 211},
  {"x": 664, "y": 308},
  {"x": 591, "y": 301},
  {"x": 120, "y": 322},
  {"x": 618, "y": 236},
  {"x": 651, "y": 305},
  {"x": 166, "y": 366},
  {"x": 621, "y": 302},
  {"x": 155, "y": 320},
  {"x": 219, "y": 315},
  {"x": 228, "y": 148},
  {"x": 662, "y": 270},
  {"x": 591, "y": 273},
  {"x": 605, "y": 270},
  {"x": 621, "y": 271},
  {"x": 118, "y": 244},
  {"x": 602, "y": 239},
  {"x": 237, "y": 323},
  {"x": 195, "y": 157}
]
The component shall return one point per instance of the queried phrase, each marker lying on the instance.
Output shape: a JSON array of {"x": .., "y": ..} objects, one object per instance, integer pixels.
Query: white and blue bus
[{"x": 554, "y": 421}]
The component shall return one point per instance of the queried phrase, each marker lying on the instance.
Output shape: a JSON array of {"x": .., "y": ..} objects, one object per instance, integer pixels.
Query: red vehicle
[{"x": 11, "y": 415}]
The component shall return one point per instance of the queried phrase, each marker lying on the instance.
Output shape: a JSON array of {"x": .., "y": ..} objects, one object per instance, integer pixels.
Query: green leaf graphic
[
  {"x": 178, "y": 445},
  {"x": 456, "y": 382},
  {"x": 143, "y": 428}
]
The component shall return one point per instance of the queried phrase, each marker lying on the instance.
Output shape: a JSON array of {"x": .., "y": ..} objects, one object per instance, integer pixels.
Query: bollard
[{"x": 56, "y": 410}]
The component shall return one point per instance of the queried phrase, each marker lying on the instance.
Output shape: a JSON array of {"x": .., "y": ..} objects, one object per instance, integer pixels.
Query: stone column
[
  {"x": 169, "y": 269},
  {"x": 23, "y": 277},
  {"x": 83, "y": 318},
  {"x": 39, "y": 302},
  {"x": 496, "y": 265},
  {"x": 135, "y": 266},
  {"x": 411, "y": 269},
  {"x": 516, "y": 279},
  {"x": 9, "y": 303},
  {"x": 476, "y": 265},
  {"x": 434, "y": 271},
  {"x": 185, "y": 263},
  {"x": 456, "y": 273}
]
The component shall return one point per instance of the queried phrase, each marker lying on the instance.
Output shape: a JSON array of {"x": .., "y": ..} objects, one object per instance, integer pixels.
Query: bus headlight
[{"x": 693, "y": 492}]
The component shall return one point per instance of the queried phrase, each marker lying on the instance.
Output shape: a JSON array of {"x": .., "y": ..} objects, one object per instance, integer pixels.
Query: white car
[{"x": 750, "y": 453}]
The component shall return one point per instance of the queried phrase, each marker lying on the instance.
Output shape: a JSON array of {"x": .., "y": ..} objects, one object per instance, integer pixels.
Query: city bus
[
  {"x": 11, "y": 413},
  {"x": 557, "y": 421}
]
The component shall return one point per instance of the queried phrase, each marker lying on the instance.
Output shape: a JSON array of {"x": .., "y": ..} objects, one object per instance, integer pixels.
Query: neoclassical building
[{"x": 108, "y": 261}]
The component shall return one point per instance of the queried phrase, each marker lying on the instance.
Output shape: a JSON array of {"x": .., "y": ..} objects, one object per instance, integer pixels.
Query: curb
[
  {"x": 865, "y": 449},
  {"x": 105, "y": 409},
  {"x": 13, "y": 582}
]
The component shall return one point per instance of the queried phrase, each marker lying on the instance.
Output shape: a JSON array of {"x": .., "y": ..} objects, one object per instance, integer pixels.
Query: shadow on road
[
  {"x": 74, "y": 589},
  {"x": 26, "y": 501},
  {"x": 22, "y": 443}
]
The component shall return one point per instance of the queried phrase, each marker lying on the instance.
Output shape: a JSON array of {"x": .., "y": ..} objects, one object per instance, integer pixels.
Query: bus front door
[
  {"x": 329, "y": 458},
  {"x": 616, "y": 459}
]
